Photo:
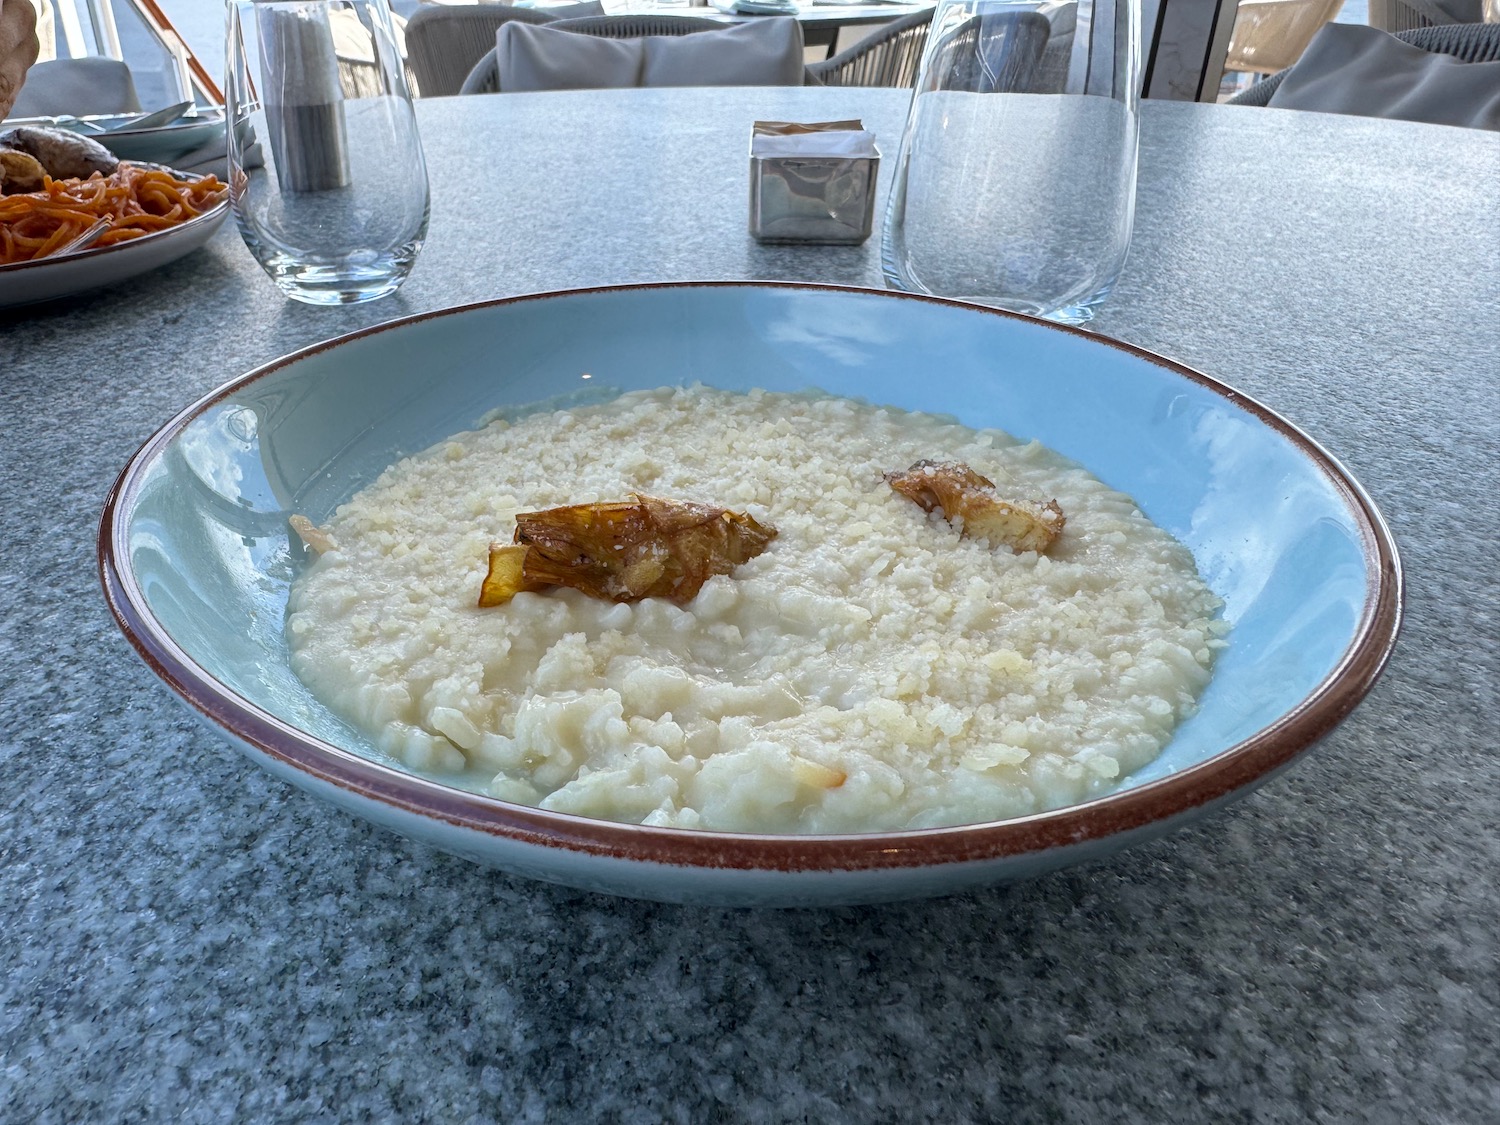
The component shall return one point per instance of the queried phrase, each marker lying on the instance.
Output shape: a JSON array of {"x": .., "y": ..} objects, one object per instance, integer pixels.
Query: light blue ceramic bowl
[{"x": 196, "y": 562}]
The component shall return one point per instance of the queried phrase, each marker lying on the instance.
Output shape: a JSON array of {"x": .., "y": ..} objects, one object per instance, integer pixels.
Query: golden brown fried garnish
[
  {"x": 20, "y": 172},
  {"x": 963, "y": 494},
  {"x": 506, "y": 577},
  {"x": 624, "y": 551},
  {"x": 313, "y": 536}
]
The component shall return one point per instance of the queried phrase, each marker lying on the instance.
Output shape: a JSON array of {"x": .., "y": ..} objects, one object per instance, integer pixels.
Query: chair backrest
[
  {"x": 633, "y": 27},
  {"x": 443, "y": 42},
  {"x": 79, "y": 86},
  {"x": 1270, "y": 35},
  {"x": 1408, "y": 15},
  {"x": 1001, "y": 52},
  {"x": 1471, "y": 42},
  {"x": 485, "y": 77},
  {"x": 890, "y": 57}
]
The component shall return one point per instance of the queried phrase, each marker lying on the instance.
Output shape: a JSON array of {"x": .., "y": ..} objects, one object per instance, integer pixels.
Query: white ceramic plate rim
[
  {"x": 204, "y": 115},
  {"x": 64, "y": 275},
  {"x": 212, "y": 215}
]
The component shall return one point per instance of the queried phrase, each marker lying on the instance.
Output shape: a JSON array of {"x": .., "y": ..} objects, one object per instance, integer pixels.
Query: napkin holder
[{"x": 812, "y": 183}]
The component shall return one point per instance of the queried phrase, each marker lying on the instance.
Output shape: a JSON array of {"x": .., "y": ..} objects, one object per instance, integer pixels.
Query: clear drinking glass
[
  {"x": 326, "y": 174},
  {"x": 1015, "y": 181}
]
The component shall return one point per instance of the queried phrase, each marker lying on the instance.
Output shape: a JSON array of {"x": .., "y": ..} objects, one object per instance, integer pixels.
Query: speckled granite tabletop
[{"x": 188, "y": 940}]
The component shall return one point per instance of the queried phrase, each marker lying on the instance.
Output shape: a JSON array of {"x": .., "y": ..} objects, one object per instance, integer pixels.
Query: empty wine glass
[{"x": 327, "y": 180}]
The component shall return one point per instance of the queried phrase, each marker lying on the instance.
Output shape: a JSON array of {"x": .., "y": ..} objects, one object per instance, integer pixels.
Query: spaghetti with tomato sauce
[{"x": 136, "y": 201}]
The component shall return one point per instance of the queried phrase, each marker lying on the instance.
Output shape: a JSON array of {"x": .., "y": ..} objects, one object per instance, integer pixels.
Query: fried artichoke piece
[
  {"x": 313, "y": 537},
  {"x": 961, "y": 493},
  {"x": 624, "y": 551},
  {"x": 506, "y": 577}
]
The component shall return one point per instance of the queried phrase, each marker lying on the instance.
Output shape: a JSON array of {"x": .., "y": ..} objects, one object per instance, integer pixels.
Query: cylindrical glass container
[
  {"x": 326, "y": 174},
  {"x": 1015, "y": 183}
]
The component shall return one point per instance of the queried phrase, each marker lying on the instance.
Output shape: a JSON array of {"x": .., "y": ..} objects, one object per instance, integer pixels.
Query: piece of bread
[{"x": 19, "y": 172}]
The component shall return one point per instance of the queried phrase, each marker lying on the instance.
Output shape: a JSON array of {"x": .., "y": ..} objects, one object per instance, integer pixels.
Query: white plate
[
  {"x": 163, "y": 143},
  {"x": 26, "y": 283},
  {"x": 166, "y": 142}
]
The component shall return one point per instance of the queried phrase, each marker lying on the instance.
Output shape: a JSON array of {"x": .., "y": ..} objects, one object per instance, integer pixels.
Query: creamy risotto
[{"x": 870, "y": 670}]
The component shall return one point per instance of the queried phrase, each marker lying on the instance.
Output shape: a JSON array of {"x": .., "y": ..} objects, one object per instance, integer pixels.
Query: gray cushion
[
  {"x": 561, "y": 60},
  {"x": 77, "y": 86},
  {"x": 1349, "y": 68},
  {"x": 537, "y": 57}
]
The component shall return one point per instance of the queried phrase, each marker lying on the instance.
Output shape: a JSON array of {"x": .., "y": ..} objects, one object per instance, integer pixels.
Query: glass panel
[
  {"x": 201, "y": 23},
  {"x": 160, "y": 75},
  {"x": 162, "y": 67}
]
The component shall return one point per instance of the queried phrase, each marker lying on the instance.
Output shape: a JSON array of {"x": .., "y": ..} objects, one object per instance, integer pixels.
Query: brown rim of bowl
[{"x": 1226, "y": 773}]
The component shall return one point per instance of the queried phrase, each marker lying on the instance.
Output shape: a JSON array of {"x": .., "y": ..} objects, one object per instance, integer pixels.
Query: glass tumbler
[
  {"x": 326, "y": 175},
  {"x": 1015, "y": 181}
]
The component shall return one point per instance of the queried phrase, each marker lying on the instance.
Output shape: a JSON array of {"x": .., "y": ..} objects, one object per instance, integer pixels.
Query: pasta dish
[{"x": 135, "y": 201}]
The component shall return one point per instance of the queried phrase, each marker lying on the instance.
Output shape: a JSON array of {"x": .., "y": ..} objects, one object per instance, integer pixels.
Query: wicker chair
[
  {"x": 444, "y": 42},
  {"x": 485, "y": 77},
  {"x": 1471, "y": 42},
  {"x": 890, "y": 57},
  {"x": 634, "y": 27},
  {"x": 1270, "y": 35},
  {"x": 1010, "y": 52},
  {"x": 1408, "y": 15}
]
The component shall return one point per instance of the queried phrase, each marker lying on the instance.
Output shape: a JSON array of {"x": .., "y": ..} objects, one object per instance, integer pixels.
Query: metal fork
[{"x": 82, "y": 239}]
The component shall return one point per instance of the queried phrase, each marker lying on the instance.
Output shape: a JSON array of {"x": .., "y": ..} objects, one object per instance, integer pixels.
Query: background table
[{"x": 186, "y": 939}]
